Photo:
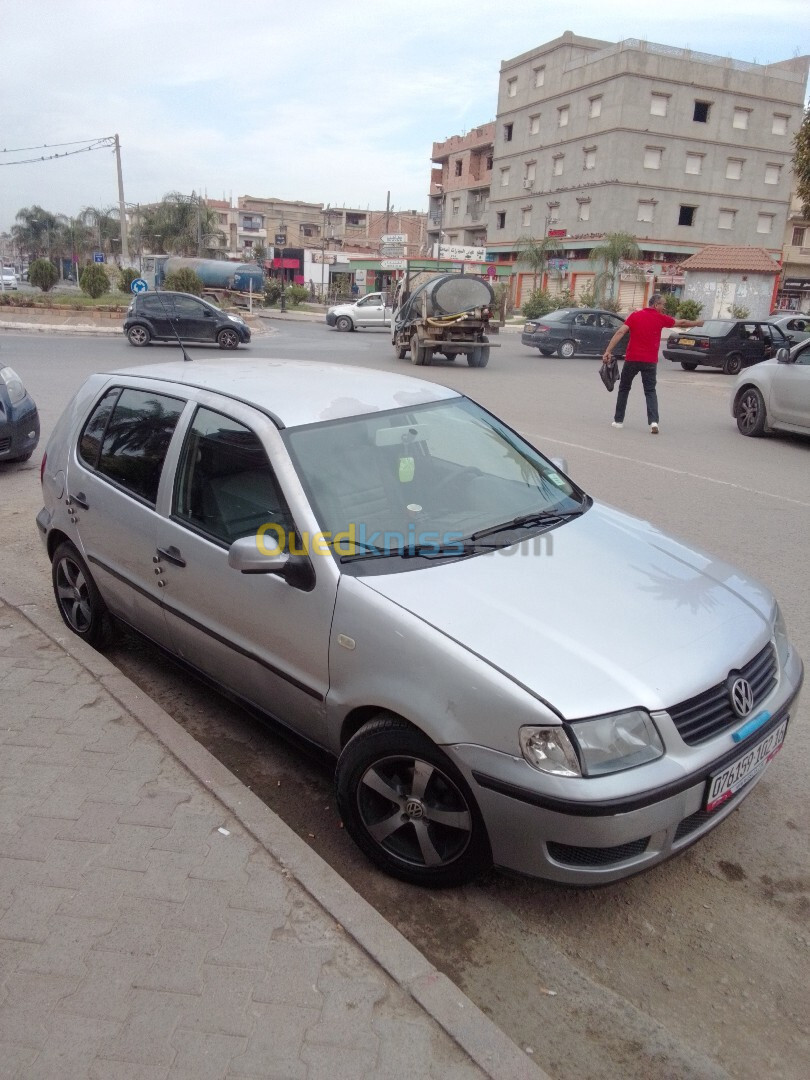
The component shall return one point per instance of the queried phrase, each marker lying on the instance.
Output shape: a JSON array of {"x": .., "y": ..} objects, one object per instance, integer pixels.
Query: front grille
[
  {"x": 691, "y": 823},
  {"x": 706, "y": 715},
  {"x": 596, "y": 856}
]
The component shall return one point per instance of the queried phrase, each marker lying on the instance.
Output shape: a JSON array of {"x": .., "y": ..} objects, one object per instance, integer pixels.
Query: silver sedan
[{"x": 775, "y": 395}]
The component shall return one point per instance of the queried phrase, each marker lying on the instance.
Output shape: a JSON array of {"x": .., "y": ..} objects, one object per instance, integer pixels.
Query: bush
[
  {"x": 43, "y": 274},
  {"x": 610, "y": 305},
  {"x": 296, "y": 294},
  {"x": 689, "y": 309},
  {"x": 739, "y": 312},
  {"x": 93, "y": 280},
  {"x": 125, "y": 278},
  {"x": 185, "y": 280},
  {"x": 272, "y": 292}
]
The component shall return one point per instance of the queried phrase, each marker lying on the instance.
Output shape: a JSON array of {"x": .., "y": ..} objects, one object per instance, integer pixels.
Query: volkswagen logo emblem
[{"x": 742, "y": 697}]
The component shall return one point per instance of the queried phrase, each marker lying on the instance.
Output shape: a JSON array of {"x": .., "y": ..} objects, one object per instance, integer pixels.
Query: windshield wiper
[
  {"x": 539, "y": 517},
  {"x": 425, "y": 551}
]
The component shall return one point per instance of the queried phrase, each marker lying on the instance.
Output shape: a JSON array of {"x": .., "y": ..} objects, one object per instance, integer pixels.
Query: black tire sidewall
[{"x": 100, "y": 631}]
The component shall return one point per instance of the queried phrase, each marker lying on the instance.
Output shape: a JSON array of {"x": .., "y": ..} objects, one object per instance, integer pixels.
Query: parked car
[
  {"x": 775, "y": 395},
  {"x": 19, "y": 418},
  {"x": 165, "y": 316},
  {"x": 792, "y": 325},
  {"x": 366, "y": 558},
  {"x": 573, "y": 332},
  {"x": 9, "y": 278},
  {"x": 369, "y": 310},
  {"x": 730, "y": 344}
]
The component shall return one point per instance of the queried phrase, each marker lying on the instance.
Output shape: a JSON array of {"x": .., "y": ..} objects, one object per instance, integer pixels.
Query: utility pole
[{"x": 122, "y": 207}]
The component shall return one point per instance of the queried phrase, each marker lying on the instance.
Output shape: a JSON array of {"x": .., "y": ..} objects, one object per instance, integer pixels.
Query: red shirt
[{"x": 645, "y": 334}]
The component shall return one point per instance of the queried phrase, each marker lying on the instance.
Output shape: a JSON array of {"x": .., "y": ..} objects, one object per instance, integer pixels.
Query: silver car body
[
  {"x": 369, "y": 311},
  {"x": 9, "y": 277},
  {"x": 785, "y": 389},
  {"x": 602, "y": 614},
  {"x": 793, "y": 324}
]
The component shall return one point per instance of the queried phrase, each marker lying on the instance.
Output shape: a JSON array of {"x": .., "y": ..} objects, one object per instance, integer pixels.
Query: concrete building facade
[
  {"x": 677, "y": 148},
  {"x": 794, "y": 285},
  {"x": 460, "y": 189}
]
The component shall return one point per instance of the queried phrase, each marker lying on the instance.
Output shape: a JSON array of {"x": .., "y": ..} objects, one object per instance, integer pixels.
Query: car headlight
[
  {"x": 605, "y": 744},
  {"x": 14, "y": 385},
  {"x": 237, "y": 319},
  {"x": 780, "y": 636}
]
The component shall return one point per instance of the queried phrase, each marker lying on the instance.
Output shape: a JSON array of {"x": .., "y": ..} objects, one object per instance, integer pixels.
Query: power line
[
  {"x": 53, "y": 146},
  {"x": 96, "y": 144}
]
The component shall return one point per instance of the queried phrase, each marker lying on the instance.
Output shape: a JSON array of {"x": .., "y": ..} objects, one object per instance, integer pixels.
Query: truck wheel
[
  {"x": 401, "y": 351},
  {"x": 479, "y": 357},
  {"x": 419, "y": 354},
  {"x": 344, "y": 323}
]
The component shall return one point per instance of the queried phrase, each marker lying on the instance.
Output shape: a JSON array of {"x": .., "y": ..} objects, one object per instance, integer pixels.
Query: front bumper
[
  {"x": 331, "y": 318},
  {"x": 599, "y": 840}
]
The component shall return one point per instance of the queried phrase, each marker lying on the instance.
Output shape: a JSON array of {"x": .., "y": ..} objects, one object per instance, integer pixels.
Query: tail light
[
  {"x": 704, "y": 344},
  {"x": 42, "y": 467}
]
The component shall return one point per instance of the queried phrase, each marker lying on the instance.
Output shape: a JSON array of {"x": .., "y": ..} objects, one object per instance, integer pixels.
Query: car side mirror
[
  {"x": 245, "y": 556},
  {"x": 783, "y": 356}
]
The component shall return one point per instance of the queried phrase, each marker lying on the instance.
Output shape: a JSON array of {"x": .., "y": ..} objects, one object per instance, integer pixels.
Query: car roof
[{"x": 296, "y": 392}]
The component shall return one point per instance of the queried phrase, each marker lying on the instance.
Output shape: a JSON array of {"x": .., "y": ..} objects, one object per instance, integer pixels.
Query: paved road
[{"x": 698, "y": 967}]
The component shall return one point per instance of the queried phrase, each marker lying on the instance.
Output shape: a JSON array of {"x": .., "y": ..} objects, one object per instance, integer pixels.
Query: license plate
[
  {"x": 687, "y": 341},
  {"x": 740, "y": 772}
]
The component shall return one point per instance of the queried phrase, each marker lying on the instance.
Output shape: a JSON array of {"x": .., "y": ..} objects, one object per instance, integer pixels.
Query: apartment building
[
  {"x": 459, "y": 189},
  {"x": 794, "y": 285},
  {"x": 678, "y": 148}
]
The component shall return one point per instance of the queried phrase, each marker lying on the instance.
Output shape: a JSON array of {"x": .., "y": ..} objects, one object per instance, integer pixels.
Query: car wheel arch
[{"x": 360, "y": 716}]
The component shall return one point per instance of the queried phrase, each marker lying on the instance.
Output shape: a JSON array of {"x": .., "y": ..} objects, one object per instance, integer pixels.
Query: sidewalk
[{"x": 158, "y": 921}]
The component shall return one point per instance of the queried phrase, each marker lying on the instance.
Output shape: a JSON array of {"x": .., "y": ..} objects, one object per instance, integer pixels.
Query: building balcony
[{"x": 251, "y": 233}]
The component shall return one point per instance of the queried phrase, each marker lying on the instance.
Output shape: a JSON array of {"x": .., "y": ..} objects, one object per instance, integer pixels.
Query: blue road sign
[
  {"x": 138, "y": 285},
  {"x": 98, "y": 256}
]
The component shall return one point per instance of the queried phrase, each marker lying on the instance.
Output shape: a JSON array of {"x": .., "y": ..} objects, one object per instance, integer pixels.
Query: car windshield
[
  {"x": 429, "y": 475},
  {"x": 557, "y": 316},
  {"x": 712, "y": 328}
]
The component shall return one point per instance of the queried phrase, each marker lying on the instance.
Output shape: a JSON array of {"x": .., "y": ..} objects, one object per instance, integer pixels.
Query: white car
[
  {"x": 775, "y": 394},
  {"x": 369, "y": 310},
  {"x": 9, "y": 278}
]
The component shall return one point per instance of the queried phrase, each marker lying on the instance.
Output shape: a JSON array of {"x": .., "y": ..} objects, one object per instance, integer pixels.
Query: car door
[
  {"x": 114, "y": 473},
  {"x": 585, "y": 332},
  {"x": 158, "y": 309},
  {"x": 608, "y": 325},
  {"x": 774, "y": 340},
  {"x": 258, "y": 636},
  {"x": 195, "y": 321},
  {"x": 370, "y": 310},
  {"x": 789, "y": 401}
]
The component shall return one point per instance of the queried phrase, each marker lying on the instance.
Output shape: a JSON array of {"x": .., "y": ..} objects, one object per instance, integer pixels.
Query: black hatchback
[
  {"x": 167, "y": 316},
  {"x": 730, "y": 344},
  {"x": 573, "y": 331}
]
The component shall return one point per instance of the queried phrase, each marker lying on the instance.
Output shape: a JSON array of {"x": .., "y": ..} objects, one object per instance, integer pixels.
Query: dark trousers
[{"x": 648, "y": 373}]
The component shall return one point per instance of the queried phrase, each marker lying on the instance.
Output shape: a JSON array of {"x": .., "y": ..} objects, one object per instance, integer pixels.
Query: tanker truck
[
  {"x": 220, "y": 274},
  {"x": 442, "y": 313}
]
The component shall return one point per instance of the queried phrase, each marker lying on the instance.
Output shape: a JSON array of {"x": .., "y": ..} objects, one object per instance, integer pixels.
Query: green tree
[
  {"x": 535, "y": 254},
  {"x": 185, "y": 280},
  {"x": 801, "y": 162},
  {"x": 104, "y": 225},
  {"x": 94, "y": 281},
  {"x": 182, "y": 225},
  {"x": 35, "y": 231},
  {"x": 125, "y": 278},
  {"x": 615, "y": 249},
  {"x": 689, "y": 309},
  {"x": 43, "y": 274},
  {"x": 259, "y": 252}
]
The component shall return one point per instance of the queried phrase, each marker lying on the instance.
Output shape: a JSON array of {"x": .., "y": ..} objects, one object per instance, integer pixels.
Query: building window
[
  {"x": 562, "y": 115},
  {"x": 458, "y": 166},
  {"x": 526, "y": 217},
  {"x": 583, "y": 210},
  {"x": 740, "y": 119},
  {"x": 590, "y": 158},
  {"x": 489, "y": 163},
  {"x": 507, "y": 132},
  {"x": 780, "y": 124},
  {"x": 734, "y": 168},
  {"x": 686, "y": 215},
  {"x": 455, "y": 206},
  {"x": 534, "y": 124},
  {"x": 652, "y": 157},
  {"x": 645, "y": 209},
  {"x": 658, "y": 104},
  {"x": 531, "y": 171},
  {"x": 558, "y": 165},
  {"x": 596, "y": 107},
  {"x": 701, "y": 112},
  {"x": 500, "y": 219},
  {"x": 764, "y": 223},
  {"x": 553, "y": 212},
  {"x": 797, "y": 240},
  {"x": 511, "y": 87},
  {"x": 725, "y": 219},
  {"x": 539, "y": 76},
  {"x": 694, "y": 163},
  {"x": 505, "y": 177},
  {"x": 773, "y": 174}
]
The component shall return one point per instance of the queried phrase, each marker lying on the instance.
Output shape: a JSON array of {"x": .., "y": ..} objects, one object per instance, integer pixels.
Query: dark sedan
[
  {"x": 573, "y": 332},
  {"x": 730, "y": 344},
  {"x": 19, "y": 419}
]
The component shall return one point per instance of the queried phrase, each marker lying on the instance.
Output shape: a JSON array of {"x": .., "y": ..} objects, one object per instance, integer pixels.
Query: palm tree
[
  {"x": 535, "y": 254},
  {"x": 35, "y": 231},
  {"x": 615, "y": 249},
  {"x": 181, "y": 225},
  {"x": 105, "y": 224}
]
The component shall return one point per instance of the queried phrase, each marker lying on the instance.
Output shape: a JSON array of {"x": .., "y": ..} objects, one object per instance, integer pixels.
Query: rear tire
[
  {"x": 78, "y": 599},
  {"x": 750, "y": 413},
  {"x": 479, "y": 357},
  {"x": 732, "y": 365},
  {"x": 688, "y": 365},
  {"x": 138, "y": 336},
  {"x": 566, "y": 349}
]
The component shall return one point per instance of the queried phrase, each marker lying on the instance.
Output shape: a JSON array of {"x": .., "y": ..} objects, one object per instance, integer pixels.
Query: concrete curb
[{"x": 484, "y": 1042}]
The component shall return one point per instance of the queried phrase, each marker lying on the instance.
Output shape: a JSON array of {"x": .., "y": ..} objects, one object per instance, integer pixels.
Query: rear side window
[{"x": 127, "y": 437}]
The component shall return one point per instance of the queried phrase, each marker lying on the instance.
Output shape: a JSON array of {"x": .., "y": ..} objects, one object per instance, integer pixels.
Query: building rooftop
[{"x": 754, "y": 260}]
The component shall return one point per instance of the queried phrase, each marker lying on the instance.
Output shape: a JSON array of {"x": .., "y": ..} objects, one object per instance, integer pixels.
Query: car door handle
[
  {"x": 81, "y": 500},
  {"x": 172, "y": 555}
]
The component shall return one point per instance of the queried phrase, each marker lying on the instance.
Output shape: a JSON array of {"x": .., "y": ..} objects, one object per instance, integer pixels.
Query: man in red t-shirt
[{"x": 641, "y": 357}]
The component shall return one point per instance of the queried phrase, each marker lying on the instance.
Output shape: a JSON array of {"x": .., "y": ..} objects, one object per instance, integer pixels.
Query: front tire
[
  {"x": 401, "y": 351},
  {"x": 732, "y": 365},
  {"x": 138, "y": 336},
  {"x": 419, "y": 354},
  {"x": 228, "y": 339},
  {"x": 79, "y": 601},
  {"x": 566, "y": 349},
  {"x": 751, "y": 415},
  {"x": 408, "y": 808},
  {"x": 344, "y": 323}
]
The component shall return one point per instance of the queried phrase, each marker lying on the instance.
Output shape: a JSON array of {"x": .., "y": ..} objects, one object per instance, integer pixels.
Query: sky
[{"x": 323, "y": 101}]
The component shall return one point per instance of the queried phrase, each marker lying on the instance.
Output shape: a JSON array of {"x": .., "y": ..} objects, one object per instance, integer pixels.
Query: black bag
[{"x": 609, "y": 373}]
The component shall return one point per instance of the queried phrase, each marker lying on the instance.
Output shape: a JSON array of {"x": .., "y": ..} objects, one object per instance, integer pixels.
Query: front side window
[
  {"x": 188, "y": 308},
  {"x": 127, "y": 437},
  {"x": 225, "y": 486}
]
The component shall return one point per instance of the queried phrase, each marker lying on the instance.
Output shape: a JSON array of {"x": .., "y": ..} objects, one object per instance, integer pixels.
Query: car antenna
[{"x": 186, "y": 357}]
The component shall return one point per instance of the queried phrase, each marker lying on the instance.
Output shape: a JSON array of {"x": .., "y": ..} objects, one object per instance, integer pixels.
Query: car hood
[{"x": 601, "y": 614}]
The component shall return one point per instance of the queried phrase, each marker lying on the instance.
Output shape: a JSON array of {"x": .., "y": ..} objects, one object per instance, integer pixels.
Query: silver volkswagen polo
[{"x": 505, "y": 671}]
